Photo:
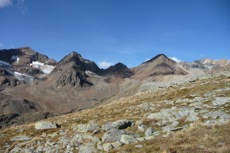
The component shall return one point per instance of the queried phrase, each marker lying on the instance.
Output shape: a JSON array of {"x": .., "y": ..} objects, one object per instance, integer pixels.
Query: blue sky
[{"x": 111, "y": 31}]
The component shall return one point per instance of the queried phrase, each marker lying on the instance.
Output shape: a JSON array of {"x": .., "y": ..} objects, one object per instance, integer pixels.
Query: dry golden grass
[{"x": 196, "y": 139}]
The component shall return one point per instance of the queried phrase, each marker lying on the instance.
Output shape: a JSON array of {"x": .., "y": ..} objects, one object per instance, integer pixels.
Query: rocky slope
[
  {"x": 205, "y": 64},
  {"x": 71, "y": 70},
  {"x": 76, "y": 83},
  {"x": 189, "y": 117}
]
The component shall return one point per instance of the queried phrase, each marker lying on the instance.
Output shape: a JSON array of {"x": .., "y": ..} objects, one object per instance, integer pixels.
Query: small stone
[
  {"x": 99, "y": 146},
  {"x": 150, "y": 137},
  {"x": 116, "y": 144},
  {"x": 141, "y": 139},
  {"x": 53, "y": 135},
  {"x": 20, "y": 138},
  {"x": 127, "y": 139},
  {"x": 20, "y": 130},
  {"x": 174, "y": 124},
  {"x": 141, "y": 128},
  {"x": 149, "y": 132},
  {"x": 107, "y": 146},
  {"x": 88, "y": 148},
  {"x": 138, "y": 146}
]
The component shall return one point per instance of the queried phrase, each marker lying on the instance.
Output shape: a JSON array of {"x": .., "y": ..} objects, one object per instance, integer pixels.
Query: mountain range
[
  {"x": 72, "y": 105},
  {"x": 32, "y": 83}
]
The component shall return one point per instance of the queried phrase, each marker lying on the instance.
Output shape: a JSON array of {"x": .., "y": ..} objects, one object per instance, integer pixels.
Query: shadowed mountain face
[
  {"x": 78, "y": 60},
  {"x": 10, "y": 104},
  {"x": 119, "y": 70},
  {"x": 21, "y": 60},
  {"x": 21, "y": 56},
  {"x": 71, "y": 70}
]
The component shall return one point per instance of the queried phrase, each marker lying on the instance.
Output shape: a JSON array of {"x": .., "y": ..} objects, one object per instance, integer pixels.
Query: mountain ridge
[{"x": 75, "y": 83}]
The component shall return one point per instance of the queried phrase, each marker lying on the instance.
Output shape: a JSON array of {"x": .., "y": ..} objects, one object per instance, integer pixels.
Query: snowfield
[
  {"x": 23, "y": 77},
  {"x": 46, "y": 69},
  {"x": 4, "y": 64},
  {"x": 17, "y": 75}
]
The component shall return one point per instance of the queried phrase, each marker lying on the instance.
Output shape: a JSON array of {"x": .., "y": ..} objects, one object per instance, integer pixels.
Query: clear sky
[{"x": 111, "y": 31}]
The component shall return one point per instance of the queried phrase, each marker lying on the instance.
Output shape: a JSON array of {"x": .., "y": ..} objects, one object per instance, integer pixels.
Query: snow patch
[
  {"x": 23, "y": 77},
  {"x": 15, "y": 58},
  {"x": 2, "y": 63},
  {"x": 88, "y": 72},
  {"x": 46, "y": 69},
  {"x": 175, "y": 59}
]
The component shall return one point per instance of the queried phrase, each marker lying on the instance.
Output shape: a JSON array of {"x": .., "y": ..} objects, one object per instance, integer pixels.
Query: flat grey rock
[
  {"x": 112, "y": 135},
  {"x": 217, "y": 115},
  {"x": 221, "y": 101},
  {"x": 20, "y": 138},
  {"x": 45, "y": 125},
  {"x": 91, "y": 126},
  {"x": 119, "y": 124}
]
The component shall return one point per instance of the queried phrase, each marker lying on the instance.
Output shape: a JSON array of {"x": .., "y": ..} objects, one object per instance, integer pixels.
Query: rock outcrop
[
  {"x": 22, "y": 56},
  {"x": 71, "y": 70}
]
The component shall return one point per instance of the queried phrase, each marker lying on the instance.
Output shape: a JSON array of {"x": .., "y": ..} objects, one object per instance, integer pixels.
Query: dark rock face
[
  {"x": 83, "y": 64},
  {"x": 73, "y": 76},
  {"x": 21, "y": 58},
  {"x": 25, "y": 54},
  {"x": 118, "y": 69},
  {"x": 71, "y": 71},
  {"x": 7, "y": 78},
  {"x": 9, "y": 81}
]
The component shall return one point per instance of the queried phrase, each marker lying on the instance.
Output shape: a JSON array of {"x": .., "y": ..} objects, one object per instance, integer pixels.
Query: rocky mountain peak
[
  {"x": 71, "y": 71},
  {"x": 158, "y": 65},
  {"x": 159, "y": 58},
  {"x": 21, "y": 56},
  {"x": 118, "y": 69},
  {"x": 76, "y": 59}
]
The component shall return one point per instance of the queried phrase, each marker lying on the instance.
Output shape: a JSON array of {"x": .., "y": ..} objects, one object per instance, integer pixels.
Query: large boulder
[
  {"x": 221, "y": 101},
  {"x": 112, "y": 135},
  {"x": 45, "y": 125},
  {"x": 119, "y": 124}
]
